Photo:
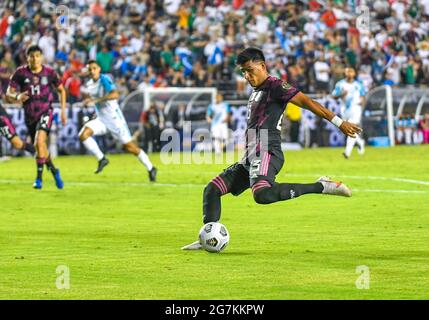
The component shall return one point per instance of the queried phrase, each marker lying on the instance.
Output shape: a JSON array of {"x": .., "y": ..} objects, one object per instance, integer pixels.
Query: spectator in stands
[
  {"x": 400, "y": 127},
  {"x": 410, "y": 127},
  {"x": 322, "y": 73},
  {"x": 112, "y": 31},
  {"x": 105, "y": 59},
  {"x": 365, "y": 77},
  {"x": 152, "y": 122},
  {"x": 424, "y": 128},
  {"x": 48, "y": 44},
  {"x": 72, "y": 86},
  {"x": 178, "y": 119},
  {"x": 279, "y": 70},
  {"x": 213, "y": 52},
  {"x": 166, "y": 56},
  {"x": 97, "y": 11},
  {"x": 7, "y": 67},
  {"x": 410, "y": 72},
  {"x": 199, "y": 76}
]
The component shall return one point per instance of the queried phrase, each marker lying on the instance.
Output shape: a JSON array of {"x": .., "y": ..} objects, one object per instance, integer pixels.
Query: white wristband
[{"x": 337, "y": 121}]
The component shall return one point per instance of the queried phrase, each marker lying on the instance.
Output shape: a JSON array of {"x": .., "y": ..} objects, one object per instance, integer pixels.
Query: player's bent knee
[
  {"x": 211, "y": 188},
  {"x": 262, "y": 196},
  {"x": 17, "y": 144},
  {"x": 131, "y": 148},
  {"x": 84, "y": 134}
]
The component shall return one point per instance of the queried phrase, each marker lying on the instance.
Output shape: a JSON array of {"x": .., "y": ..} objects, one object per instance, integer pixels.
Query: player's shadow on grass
[
  {"x": 227, "y": 253},
  {"x": 240, "y": 253}
]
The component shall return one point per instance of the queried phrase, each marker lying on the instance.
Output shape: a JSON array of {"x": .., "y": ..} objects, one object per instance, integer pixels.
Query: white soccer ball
[{"x": 214, "y": 237}]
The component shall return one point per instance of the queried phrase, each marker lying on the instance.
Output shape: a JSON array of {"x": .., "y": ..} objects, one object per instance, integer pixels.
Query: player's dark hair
[
  {"x": 33, "y": 48},
  {"x": 92, "y": 61},
  {"x": 250, "y": 54}
]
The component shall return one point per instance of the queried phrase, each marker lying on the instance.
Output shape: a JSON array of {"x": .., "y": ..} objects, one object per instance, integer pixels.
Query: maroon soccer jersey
[
  {"x": 39, "y": 86},
  {"x": 264, "y": 114}
]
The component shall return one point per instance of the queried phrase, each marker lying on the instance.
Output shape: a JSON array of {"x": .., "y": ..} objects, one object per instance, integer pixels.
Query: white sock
[
  {"x": 218, "y": 146},
  {"x": 349, "y": 146},
  {"x": 360, "y": 141},
  {"x": 92, "y": 146},
  {"x": 143, "y": 158}
]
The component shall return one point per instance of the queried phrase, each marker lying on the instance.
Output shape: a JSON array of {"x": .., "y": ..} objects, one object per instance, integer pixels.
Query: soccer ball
[{"x": 214, "y": 237}]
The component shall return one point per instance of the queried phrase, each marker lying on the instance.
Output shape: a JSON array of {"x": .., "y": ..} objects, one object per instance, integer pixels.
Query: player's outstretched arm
[
  {"x": 112, "y": 95},
  {"x": 306, "y": 102}
]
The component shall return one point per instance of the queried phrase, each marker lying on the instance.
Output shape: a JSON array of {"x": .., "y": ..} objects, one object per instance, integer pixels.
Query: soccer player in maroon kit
[
  {"x": 33, "y": 85},
  {"x": 8, "y": 131},
  {"x": 263, "y": 158}
]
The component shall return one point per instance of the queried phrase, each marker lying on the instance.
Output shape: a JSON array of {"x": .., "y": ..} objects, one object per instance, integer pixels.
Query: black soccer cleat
[
  {"x": 152, "y": 174},
  {"x": 101, "y": 164}
]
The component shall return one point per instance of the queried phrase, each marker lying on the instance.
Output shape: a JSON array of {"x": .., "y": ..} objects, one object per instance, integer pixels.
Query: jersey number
[
  {"x": 45, "y": 122},
  {"x": 35, "y": 90},
  {"x": 5, "y": 132},
  {"x": 255, "y": 167}
]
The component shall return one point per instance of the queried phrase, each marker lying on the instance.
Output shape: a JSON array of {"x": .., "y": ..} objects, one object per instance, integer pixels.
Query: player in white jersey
[
  {"x": 102, "y": 93},
  {"x": 352, "y": 94},
  {"x": 218, "y": 115}
]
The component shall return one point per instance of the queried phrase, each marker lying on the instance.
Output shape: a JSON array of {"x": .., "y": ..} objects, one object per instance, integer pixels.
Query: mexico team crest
[
  {"x": 44, "y": 81},
  {"x": 286, "y": 86}
]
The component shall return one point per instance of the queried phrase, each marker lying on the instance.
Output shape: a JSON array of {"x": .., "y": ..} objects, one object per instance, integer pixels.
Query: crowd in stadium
[{"x": 194, "y": 43}]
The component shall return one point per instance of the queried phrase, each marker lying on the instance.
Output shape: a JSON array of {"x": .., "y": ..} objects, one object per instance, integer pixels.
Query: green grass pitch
[{"x": 120, "y": 236}]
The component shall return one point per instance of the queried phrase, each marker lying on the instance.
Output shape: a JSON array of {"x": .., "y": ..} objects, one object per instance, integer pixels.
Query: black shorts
[
  {"x": 7, "y": 129},
  {"x": 240, "y": 176},
  {"x": 44, "y": 123}
]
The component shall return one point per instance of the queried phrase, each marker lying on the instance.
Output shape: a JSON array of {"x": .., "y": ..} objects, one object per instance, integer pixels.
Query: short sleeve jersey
[
  {"x": 265, "y": 110},
  {"x": 39, "y": 86}
]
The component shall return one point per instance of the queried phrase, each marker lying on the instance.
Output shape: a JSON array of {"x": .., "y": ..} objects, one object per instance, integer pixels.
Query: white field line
[
  {"x": 119, "y": 184},
  {"x": 412, "y": 181},
  {"x": 389, "y": 191},
  {"x": 188, "y": 185},
  {"x": 406, "y": 180}
]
